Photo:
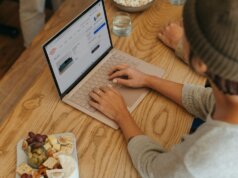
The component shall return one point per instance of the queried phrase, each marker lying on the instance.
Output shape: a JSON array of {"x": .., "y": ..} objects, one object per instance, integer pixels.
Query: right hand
[
  {"x": 110, "y": 102},
  {"x": 130, "y": 77}
]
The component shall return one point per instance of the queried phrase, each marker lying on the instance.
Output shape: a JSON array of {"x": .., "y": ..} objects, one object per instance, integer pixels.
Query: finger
[
  {"x": 161, "y": 36},
  {"x": 124, "y": 82},
  {"x": 113, "y": 89},
  {"x": 170, "y": 24},
  {"x": 109, "y": 89},
  {"x": 95, "y": 97},
  {"x": 163, "y": 39},
  {"x": 109, "y": 85},
  {"x": 105, "y": 89},
  {"x": 97, "y": 91},
  {"x": 161, "y": 30},
  {"x": 95, "y": 105},
  {"x": 117, "y": 67},
  {"x": 119, "y": 73}
]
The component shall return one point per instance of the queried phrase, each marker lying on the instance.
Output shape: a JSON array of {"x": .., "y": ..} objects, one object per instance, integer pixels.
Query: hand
[
  {"x": 110, "y": 102},
  {"x": 124, "y": 75}
]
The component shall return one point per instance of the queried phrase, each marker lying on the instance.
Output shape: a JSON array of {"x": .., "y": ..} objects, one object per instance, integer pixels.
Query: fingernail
[
  {"x": 109, "y": 85},
  {"x": 114, "y": 80}
]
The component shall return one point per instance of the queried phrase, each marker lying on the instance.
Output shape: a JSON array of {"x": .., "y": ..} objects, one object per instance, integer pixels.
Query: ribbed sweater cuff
[{"x": 187, "y": 96}]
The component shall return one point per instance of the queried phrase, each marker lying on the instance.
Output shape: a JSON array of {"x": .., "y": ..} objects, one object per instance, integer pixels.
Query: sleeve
[
  {"x": 197, "y": 100},
  {"x": 151, "y": 160}
]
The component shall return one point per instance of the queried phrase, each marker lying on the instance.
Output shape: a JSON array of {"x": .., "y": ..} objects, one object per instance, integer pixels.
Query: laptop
[{"x": 80, "y": 57}]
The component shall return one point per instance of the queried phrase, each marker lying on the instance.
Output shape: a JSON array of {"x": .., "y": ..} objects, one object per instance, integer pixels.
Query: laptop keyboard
[{"x": 99, "y": 78}]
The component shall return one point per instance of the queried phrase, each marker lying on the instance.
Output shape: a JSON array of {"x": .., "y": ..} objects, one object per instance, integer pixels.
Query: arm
[
  {"x": 197, "y": 100},
  {"x": 148, "y": 157},
  {"x": 151, "y": 160},
  {"x": 137, "y": 79},
  {"x": 169, "y": 89},
  {"x": 128, "y": 127}
]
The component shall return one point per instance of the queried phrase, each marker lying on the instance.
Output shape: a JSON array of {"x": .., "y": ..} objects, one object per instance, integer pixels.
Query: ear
[{"x": 199, "y": 66}]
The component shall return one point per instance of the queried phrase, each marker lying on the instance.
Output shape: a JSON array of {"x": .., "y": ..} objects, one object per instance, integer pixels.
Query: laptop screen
[{"x": 78, "y": 47}]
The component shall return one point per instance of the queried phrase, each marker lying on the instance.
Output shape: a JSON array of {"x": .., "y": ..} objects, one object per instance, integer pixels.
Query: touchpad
[{"x": 131, "y": 95}]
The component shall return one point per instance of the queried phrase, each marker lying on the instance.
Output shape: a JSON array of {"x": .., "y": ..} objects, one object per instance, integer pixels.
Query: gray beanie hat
[{"x": 211, "y": 27}]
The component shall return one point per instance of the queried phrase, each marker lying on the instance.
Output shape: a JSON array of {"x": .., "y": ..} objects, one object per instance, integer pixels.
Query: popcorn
[{"x": 133, "y": 3}]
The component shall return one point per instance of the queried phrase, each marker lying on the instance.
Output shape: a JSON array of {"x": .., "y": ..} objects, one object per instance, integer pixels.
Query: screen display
[{"x": 79, "y": 46}]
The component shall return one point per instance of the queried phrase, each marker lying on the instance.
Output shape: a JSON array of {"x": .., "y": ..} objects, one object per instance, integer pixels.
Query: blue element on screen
[{"x": 99, "y": 28}]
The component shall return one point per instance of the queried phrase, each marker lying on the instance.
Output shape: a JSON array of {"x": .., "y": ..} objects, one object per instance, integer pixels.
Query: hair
[{"x": 226, "y": 86}]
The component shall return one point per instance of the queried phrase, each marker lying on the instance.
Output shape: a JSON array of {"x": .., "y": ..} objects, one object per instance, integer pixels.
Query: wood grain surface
[{"x": 102, "y": 151}]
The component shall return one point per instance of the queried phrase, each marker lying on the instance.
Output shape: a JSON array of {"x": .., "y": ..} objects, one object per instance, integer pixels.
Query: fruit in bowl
[{"x": 133, "y": 5}]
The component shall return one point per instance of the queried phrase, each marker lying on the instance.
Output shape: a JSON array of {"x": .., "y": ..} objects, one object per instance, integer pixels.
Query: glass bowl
[{"x": 132, "y": 9}]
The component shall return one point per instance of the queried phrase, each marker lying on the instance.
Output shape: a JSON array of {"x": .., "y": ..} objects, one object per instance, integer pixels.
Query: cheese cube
[
  {"x": 24, "y": 168},
  {"x": 47, "y": 146},
  {"x": 52, "y": 139},
  {"x": 56, "y": 146}
]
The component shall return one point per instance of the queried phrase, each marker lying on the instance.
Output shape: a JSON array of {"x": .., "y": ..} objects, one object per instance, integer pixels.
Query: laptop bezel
[{"x": 93, "y": 65}]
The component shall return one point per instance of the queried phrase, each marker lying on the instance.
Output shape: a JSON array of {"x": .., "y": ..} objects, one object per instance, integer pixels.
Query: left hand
[{"x": 110, "y": 102}]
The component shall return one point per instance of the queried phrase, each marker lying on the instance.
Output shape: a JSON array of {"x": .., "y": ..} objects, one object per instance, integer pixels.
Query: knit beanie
[{"x": 211, "y": 28}]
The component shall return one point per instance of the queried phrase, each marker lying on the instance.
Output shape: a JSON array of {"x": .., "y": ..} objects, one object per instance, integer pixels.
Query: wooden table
[{"x": 29, "y": 100}]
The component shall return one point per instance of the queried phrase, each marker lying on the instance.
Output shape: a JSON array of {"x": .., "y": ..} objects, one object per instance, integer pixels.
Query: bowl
[{"x": 131, "y": 8}]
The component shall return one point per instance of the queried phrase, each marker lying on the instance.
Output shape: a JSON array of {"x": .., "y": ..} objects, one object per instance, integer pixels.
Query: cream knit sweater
[{"x": 211, "y": 152}]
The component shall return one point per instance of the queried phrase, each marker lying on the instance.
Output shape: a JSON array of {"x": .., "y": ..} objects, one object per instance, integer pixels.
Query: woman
[{"x": 210, "y": 44}]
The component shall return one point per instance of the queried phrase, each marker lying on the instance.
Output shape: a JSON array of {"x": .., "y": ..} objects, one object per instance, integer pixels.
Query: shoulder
[{"x": 214, "y": 154}]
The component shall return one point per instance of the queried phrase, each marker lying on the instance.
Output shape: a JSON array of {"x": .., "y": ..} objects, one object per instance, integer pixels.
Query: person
[
  {"x": 32, "y": 17},
  {"x": 210, "y": 46}
]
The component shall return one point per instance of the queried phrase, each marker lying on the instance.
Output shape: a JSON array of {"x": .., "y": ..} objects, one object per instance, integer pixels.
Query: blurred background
[{"x": 11, "y": 40}]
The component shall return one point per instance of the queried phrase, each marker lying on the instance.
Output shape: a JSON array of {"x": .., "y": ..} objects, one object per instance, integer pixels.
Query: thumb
[{"x": 120, "y": 81}]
